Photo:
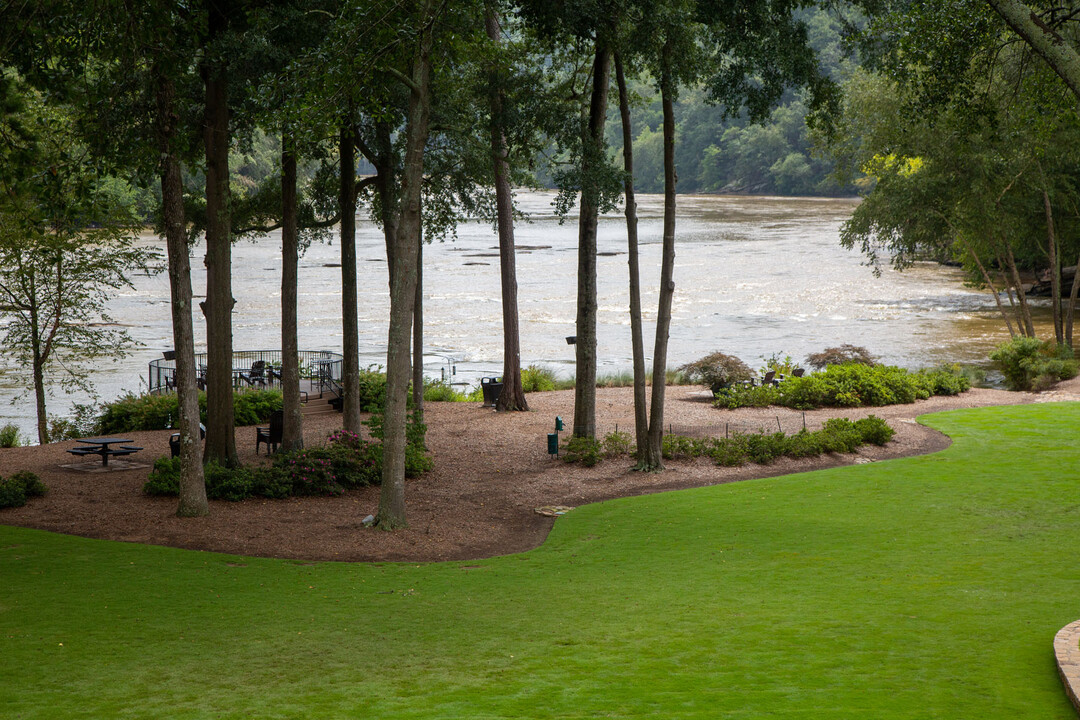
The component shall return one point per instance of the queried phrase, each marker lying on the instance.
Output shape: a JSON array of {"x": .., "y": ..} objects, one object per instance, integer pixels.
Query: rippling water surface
[{"x": 754, "y": 276}]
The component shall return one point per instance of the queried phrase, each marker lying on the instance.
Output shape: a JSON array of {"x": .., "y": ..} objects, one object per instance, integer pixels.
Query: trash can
[{"x": 492, "y": 388}]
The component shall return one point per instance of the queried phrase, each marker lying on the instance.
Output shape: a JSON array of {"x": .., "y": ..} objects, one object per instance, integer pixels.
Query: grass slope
[{"x": 922, "y": 588}]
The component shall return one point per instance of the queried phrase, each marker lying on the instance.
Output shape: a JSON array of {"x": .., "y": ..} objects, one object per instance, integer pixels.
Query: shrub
[
  {"x": 131, "y": 413},
  {"x": 371, "y": 390},
  {"x": 225, "y": 483},
  {"x": 840, "y": 435},
  {"x": 1028, "y": 363},
  {"x": 585, "y": 450},
  {"x": 781, "y": 364},
  {"x": 874, "y": 430},
  {"x": 717, "y": 370},
  {"x": 252, "y": 407},
  {"x": 537, "y": 379},
  {"x": 164, "y": 478},
  {"x": 12, "y": 493},
  {"x": 15, "y": 490},
  {"x": 10, "y": 436},
  {"x": 843, "y": 355},
  {"x": 737, "y": 396},
  {"x": 441, "y": 391},
  {"x": 617, "y": 443}
]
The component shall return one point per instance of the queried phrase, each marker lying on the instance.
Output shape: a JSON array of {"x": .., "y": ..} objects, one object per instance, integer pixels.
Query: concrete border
[{"x": 1067, "y": 653}]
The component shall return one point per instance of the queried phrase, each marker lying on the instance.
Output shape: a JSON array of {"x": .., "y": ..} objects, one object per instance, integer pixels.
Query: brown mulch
[{"x": 492, "y": 473}]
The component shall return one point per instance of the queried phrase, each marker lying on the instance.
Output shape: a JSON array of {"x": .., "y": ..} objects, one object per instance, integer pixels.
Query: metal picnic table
[{"x": 101, "y": 446}]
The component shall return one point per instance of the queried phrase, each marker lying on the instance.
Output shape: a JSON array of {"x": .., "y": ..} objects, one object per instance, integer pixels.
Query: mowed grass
[{"x": 923, "y": 588}]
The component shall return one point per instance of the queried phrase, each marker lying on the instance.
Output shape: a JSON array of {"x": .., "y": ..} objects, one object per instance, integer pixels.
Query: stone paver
[{"x": 1067, "y": 651}]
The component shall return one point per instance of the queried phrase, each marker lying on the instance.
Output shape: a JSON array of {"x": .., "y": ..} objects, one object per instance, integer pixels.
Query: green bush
[
  {"x": 164, "y": 478},
  {"x": 1030, "y": 364},
  {"x": 10, "y": 436},
  {"x": 441, "y": 391},
  {"x": 617, "y": 443},
  {"x": 224, "y": 483},
  {"x": 850, "y": 385},
  {"x": 874, "y": 430},
  {"x": 132, "y": 413},
  {"x": 252, "y": 407},
  {"x": 12, "y": 493},
  {"x": 584, "y": 450},
  {"x": 31, "y": 483},
  {"x": 371, "y": 390},
  {"x": 537, "y": 379},
  {"x": 837, "y": 435},
  {"x": 15, "y": 490}
]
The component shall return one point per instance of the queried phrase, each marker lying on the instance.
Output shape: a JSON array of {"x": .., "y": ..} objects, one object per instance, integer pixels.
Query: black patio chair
[
  {"x": 270, "y": 435},
  {"x": 256, "y": 375}
]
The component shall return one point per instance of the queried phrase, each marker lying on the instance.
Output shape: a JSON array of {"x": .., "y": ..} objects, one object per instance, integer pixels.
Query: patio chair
[
  {"x": 270, "y": 435},
  {"x": 257, "y": 374},
  {"x": 174, "y": 440},
  {"x": 770, "y": 379}
]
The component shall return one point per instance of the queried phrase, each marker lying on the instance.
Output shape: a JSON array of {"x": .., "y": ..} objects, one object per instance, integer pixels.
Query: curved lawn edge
[{"x": 1067, "y": 655}]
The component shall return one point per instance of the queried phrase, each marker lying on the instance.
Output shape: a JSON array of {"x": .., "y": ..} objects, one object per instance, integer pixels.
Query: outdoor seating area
[
  {"x": 104, "y": 448},
  {"x": 271, "y": 436},
  {"x": 320, "y": 371}
]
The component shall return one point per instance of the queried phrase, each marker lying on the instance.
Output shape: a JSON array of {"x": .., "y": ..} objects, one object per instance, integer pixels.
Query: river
[{"x": 754, "y": 276}]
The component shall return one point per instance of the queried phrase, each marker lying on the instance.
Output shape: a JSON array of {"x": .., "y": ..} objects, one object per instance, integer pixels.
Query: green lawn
[{"x": 921, "y": 588}]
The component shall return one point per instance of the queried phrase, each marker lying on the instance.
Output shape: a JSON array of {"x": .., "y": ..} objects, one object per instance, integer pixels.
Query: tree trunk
[
  {"x": 591, "y": 159},
  {"x": 1021, "y": 296},
  {"x": 418, "y": 337},
  {"x": 1073, "y": 292},
  {"x": 990, "y": 284},
  {"x": 220, "y": 424},
  {"x": 39, "y": 374},
  {"x": 641, "y": 417},
  {"x": 512, "y": 396},
  {"x": 350, "y": 328},
  {"x": 1055, "y": 270},
  {"x": 653, "y": 456},
  {"x": 406, "y": 243},
  {"x": 292, "y": 431},
  {"x": 192, "y": 480}
]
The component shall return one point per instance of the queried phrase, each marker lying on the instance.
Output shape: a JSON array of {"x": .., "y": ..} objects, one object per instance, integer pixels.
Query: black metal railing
[{"x": 322, "y": 369}]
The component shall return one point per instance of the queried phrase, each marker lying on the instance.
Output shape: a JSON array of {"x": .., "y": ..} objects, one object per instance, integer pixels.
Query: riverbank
[{"x": 491, "y": 474}]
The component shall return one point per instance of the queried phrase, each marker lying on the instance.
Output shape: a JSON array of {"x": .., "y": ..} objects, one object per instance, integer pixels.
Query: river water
[{"x": 754, "y": 276}]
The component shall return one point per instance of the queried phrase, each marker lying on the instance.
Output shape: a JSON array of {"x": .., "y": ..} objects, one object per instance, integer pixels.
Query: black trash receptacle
[{"x": 492, "y": 388}]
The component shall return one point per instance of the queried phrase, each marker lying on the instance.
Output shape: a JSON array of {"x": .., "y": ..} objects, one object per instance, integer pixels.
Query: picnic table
[{"x": 101, "y": 446}]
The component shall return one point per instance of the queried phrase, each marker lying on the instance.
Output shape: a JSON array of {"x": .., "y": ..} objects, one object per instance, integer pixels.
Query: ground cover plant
[
  {"x": 344, "y": 462},
  {"x": 925, "y": 587},
  {"x": 839, "y": 435},
  {"x": 848, "y": 385},
  {"x": 20, "y": 487}
]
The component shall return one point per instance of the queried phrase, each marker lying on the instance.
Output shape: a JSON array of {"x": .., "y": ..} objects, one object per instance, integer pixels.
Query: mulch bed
[{"x": 492, "y": 474}]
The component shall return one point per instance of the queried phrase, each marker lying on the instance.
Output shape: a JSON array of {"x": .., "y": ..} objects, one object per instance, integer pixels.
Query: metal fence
[{"x": 321, "y": 369}]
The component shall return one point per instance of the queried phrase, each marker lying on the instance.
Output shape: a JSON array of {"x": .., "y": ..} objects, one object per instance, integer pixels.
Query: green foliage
[
  {"x": 584, "y": 450},
  {"x": 848, "y": 385},
  {"x": 12, "y": 493},
  {"x": 717, "y": 370},
  {"x": 15, "y": 490},
  {"x": 617, "y": 443},
  {"x": 252, "y": 407},
  {"x": 164, "y": 478},
  {"x": 442, "y": 391},
  {"x": 838, "y": 435},
  {"x": 537, "y": 379},
  {"x": 160, "y": 411},
  {"x": 371, "y": 389},
  {"x": 781, "y": 364},
  {"x": 1029, "y": 364},
  {"x": 10, "y": 436}
]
